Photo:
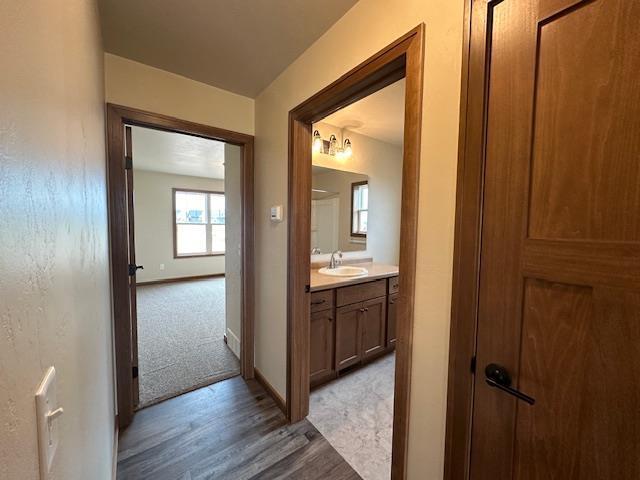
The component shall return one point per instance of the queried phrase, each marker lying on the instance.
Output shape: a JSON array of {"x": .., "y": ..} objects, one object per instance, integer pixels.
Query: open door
[
  {"x": 132, "y": 266},
  {"x": 556, "y": 389}
]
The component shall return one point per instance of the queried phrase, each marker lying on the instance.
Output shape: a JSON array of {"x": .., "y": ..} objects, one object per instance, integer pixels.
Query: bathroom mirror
[{"x": 339, "y": 210}]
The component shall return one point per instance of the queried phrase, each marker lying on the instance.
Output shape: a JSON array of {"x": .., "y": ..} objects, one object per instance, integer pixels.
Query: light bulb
[
  {"x": 347, "y": 151},
  {"x": 317, "y": 142},
  {"x": 333, "y": 145}
]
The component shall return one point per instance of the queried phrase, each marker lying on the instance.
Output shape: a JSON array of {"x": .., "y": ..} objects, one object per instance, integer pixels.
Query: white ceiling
[
  {"x": 237, "y": 45},
  {"x": 380, "y": 115},
  {"x": 168, "y": 152}
]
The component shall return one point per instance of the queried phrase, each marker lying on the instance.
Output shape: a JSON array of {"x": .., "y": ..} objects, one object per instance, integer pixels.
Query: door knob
[{"x": 498, "y": 377}]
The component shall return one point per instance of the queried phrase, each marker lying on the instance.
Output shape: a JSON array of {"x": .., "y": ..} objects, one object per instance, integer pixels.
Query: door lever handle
[
  {"x": 498, "y": 377},
  {"x": 133, "y": 268}
]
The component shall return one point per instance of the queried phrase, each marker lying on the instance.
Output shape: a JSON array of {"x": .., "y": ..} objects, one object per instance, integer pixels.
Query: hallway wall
[
  {"x": 54, "y": 259},
  {"x": 365, "y": 29},
  {"x": 137, "y": 85}
]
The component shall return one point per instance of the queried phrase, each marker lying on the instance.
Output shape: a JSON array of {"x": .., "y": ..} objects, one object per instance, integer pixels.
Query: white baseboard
[{"x": 234, "y": 343}]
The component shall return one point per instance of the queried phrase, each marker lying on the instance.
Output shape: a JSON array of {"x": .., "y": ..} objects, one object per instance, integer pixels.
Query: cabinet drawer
[
  {"x": 361, "y": 292},
  {"x": 322, "y": 300},
  {"x": 394, "y": 285}
]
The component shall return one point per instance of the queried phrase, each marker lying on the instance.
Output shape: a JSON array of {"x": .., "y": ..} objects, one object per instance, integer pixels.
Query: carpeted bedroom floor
[{"x": 181, "y": 345}]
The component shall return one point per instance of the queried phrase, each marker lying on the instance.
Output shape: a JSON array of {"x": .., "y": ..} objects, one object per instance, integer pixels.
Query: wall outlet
[
  {"x": 47, "y": 413},
  {"x": 162, "y": 266}
]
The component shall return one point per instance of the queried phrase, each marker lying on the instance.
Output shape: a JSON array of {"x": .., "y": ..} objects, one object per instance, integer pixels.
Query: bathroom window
[
  {"x": 359, "y": 208},
  {"x": 199, "y": 223}
]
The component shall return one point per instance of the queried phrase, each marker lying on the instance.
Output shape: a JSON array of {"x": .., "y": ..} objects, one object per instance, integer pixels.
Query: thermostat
[{"x": 276, "y": 213}]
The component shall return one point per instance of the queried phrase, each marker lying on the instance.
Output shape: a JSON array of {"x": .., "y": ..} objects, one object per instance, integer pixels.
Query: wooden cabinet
[
  {"x": 321, "y": 353},
  {"x": 351, "y": 325},
  {"x": 373, "y": 324},
  {"x": 391, "y": 320},
  {"x": 348, "y": 350}
]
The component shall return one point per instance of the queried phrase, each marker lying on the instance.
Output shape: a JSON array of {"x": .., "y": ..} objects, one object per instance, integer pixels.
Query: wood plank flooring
[{"x": 229, "y": 430}]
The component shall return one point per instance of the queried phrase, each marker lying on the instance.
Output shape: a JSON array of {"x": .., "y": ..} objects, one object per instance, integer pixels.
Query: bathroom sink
[{"x": 343, "y": 271}]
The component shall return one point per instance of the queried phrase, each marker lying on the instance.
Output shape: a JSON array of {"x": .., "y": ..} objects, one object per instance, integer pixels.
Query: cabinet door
[
  {"x": 348, "y": 351},
  {"x": 321, "y": 347},
  {"x": 374, "y": 326},
  {"x": 391, "y": 320}
]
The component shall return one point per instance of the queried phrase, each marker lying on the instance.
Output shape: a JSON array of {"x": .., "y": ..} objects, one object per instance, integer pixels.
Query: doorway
[
  {"x": 195, "y": 253},
  {"x": 403, "y": 59},
  {"x": 186, "y": 233},
  {"x": 544, "y": 357}
]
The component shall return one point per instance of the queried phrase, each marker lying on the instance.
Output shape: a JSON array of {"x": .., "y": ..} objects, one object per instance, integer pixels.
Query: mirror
[{"x": 339, "y": 210}]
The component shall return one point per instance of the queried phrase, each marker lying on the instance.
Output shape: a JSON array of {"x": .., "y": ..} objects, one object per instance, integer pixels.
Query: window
[
  {"x": 359, "y": 208},
  {"x": 198, "y": 223}
]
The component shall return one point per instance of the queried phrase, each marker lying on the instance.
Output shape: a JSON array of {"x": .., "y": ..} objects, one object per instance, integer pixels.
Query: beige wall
[
  {"x": 55, "y": 305},
  {"x": 382, "y": 163},
  {"x": 140, "y": 86},
  {"x": 369, "y": 26},
  {"x": 153, "y": 217}
]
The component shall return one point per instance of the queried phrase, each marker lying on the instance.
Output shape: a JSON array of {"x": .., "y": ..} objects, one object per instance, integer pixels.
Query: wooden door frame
[
  {"x": 117, "y": 117},
  {"x": 404, "y": 58},
  {"x": 467, "y": 243}
]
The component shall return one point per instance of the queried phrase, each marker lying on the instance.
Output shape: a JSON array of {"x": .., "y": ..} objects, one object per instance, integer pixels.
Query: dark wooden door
[
  {"x": 391, "y": 319},
  {"x": 559, "y": 300},
  {"x": 131, "y": 247},
  {"x": 374, "y": 326},
  {"x": 321, "y": 347},
  {"x": 348, "y": 344}
]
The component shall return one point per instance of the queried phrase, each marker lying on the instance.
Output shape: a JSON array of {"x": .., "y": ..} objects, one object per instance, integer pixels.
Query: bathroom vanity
[{"x": 352, "y": 320}]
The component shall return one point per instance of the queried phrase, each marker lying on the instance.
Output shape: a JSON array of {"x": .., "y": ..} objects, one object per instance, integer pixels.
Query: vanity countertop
[{"x": 376, "y": 271}]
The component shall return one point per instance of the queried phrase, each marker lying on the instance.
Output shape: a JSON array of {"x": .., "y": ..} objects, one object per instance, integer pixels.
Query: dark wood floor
[{"x": 229, "y": 430}]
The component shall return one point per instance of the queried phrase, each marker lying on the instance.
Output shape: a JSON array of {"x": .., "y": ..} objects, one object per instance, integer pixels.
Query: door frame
[
  {"x": 117, "y": 117},
  {"x": 404, "y": 58},
  {"x": 467, "y": 239}
]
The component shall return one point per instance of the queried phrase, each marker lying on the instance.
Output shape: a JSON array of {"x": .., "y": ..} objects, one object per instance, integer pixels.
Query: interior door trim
[
  {"x": 404, "y": 58},
  {"x": 468, "y": 224},
  {"x": 117, "y": 117}
]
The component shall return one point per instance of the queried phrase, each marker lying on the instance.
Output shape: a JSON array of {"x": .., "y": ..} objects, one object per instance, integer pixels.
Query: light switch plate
[
  {"x": 276, "y": 213},
  {"x": 46, "y": 402}
]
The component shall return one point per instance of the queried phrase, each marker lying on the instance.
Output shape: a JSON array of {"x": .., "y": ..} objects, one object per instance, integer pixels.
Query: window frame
[
  {"x": 207, "y": 224},
  {"x": 355, "y": 185}
]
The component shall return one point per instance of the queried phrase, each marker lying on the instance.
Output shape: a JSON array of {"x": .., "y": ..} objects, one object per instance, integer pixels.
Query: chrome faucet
[
  {"x": 315, "y": 251},
  {"x": 333, "y": 262}
]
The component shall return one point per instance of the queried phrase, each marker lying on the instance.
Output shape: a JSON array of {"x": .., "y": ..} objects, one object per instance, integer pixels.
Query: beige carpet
[
  {"x": 355, "y": 414},
  {"x": 181, "y": 328}
]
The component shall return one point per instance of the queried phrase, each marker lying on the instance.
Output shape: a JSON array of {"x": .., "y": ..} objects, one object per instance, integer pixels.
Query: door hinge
[
  {"x": 134, "y": 372},
  {"x": 128, "y": 162},
  {"x": 473, "y": 364},
  {"x": 307, "y": 288}
]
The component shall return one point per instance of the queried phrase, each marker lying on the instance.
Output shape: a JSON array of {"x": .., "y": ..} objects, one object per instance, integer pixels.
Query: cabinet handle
[{"x": 318, "y": 302}]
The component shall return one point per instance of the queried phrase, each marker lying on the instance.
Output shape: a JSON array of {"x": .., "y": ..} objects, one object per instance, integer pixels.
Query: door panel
[
  {"x": 560, "y": 252},
  {"x": 133, "y": 304},
  {"x": 374, "y": 326},
  {"x": 348, "y": 348},
  {"x": 321, "y": 344}
]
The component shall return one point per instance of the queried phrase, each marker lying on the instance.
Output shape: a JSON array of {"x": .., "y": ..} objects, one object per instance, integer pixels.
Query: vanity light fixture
[{"x": 331, "y": 146}]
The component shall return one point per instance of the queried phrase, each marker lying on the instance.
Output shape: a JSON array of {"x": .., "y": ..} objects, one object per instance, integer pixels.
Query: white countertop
[{"x": 376, "y": 271}]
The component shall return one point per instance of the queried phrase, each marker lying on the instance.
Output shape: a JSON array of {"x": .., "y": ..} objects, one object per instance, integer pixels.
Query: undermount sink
[{"x": 343, "y": 271}]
